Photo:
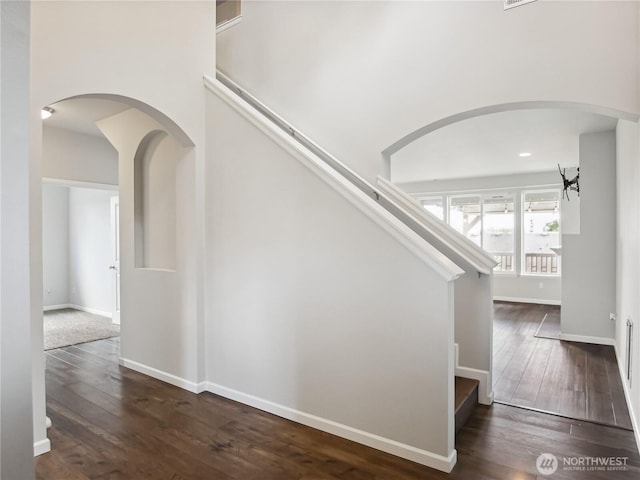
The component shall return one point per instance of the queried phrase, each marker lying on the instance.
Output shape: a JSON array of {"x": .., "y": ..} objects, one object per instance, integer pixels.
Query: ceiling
[
  {"x": 483, "y": 146},
  {"x": 80, "y": 114},
  {"x": 490, "y": 145}
]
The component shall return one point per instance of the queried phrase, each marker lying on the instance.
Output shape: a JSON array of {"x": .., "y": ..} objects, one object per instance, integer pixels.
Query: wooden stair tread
[
  {"x": 466, "y": 400},
  {"x": 464, "y": 387}
]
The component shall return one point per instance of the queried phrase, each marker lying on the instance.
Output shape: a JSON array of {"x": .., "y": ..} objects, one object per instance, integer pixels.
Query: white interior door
[{"x": 115, "y": 259}]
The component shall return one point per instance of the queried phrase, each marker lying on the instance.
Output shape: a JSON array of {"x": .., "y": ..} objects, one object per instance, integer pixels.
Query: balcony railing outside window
[
  {"x": 498, "y": 231},
  {"x": 541, "y": 232},
  {"x": 505, "y": 262}
]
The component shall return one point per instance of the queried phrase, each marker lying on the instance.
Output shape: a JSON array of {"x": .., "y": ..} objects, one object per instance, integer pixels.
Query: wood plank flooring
[
  {"x": 110, "y": 422},
  {"x": 574, "y": 379}
]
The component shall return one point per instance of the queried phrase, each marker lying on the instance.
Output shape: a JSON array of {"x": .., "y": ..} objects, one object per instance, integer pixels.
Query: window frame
[
  {"x": 523, "y": 260},
  {"x": 515, "y": 195}
]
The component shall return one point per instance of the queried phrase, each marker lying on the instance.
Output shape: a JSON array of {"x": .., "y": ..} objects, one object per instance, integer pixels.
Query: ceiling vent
[{"x": 515, "y": 3}]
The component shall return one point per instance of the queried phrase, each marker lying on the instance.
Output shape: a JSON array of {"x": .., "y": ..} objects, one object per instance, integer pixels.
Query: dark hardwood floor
[
  {"x": 578, "y": 380},
  {"x": 110, "y": 422}
]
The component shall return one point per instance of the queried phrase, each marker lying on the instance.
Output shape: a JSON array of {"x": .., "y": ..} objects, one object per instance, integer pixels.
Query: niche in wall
[{"x": 155, "y": 201}]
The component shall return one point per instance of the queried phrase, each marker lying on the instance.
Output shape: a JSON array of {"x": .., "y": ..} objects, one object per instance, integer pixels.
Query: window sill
[
  {"x": 505, "y": 274},
  {"x": 541, "y": 275}
]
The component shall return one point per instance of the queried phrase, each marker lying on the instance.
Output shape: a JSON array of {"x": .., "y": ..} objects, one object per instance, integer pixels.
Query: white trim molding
[
  {"x": 228, "y": 24},
  {"x": 41, "y": 446},
  {"x": 569, "y": 337},
  {"x": 427, "y": 253},
  {"x": 164, "y": 376},
  {"x": 95, "y": 311},
  {"x": 79, "y": 183},
  {"x": 627, "y": 397},
  {"x": 537, "y": 301},
  {"x": 423, "y": 457},
  {"x": 48, "y": 308}
]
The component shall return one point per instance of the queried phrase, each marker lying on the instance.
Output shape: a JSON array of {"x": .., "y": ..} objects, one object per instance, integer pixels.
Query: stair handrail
[
  {"x": 336, "y": 164},
  {"x": 393, "y": 200},
  {"x": 444, "y": 232}
]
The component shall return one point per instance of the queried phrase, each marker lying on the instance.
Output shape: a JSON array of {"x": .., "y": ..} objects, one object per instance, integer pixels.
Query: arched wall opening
[
  {"x": 599, "y": 247},
  {"x": 156, "y": 177},
  {"x": 417, "y": 134}
]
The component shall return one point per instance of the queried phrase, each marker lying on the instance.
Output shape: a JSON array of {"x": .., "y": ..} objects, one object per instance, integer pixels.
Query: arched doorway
[{"x": 155, "y": 174}]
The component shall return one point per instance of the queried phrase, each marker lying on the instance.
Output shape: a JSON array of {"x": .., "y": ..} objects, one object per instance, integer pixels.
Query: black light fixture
[{"x": 573, "y": 184}]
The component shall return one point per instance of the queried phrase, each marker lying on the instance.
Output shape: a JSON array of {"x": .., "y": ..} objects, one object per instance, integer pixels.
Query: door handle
[{"x": 112, "y": 267}]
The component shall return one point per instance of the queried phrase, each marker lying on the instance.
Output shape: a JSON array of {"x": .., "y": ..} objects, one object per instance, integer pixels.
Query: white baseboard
[
  {"x": 90, "y": 310},
  {"x": 42, "y": 446},
  {"x": 55, "y": 307},
  {"x": 393, "y": 447},
  {"x": 537, "y": 301},
  {"x": 569, "y": 337},
  {"x": 627, "y": 397},
  {"x": 424, "y": 457},
  {"x": 164, "y": 376}
]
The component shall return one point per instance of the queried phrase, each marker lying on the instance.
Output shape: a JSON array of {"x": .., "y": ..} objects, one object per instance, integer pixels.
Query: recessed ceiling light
[
  {"x": 46, "y": 112},
  {"x": 524, "y": 154}
]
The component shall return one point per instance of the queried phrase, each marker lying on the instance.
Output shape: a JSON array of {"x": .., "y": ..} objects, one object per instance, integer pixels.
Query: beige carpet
[{"x": 69, "y": 327}]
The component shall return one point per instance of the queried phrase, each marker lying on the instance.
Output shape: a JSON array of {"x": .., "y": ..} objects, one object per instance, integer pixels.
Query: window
[
  {"x": 519, "y": 228},
  {"x": 434, "y": 205},
  {"x": 489, "y": 223},
  {"x": 540, "y": 232},
  {"x": 497, "y": 231},
  {"x": 465, "y": 215}
]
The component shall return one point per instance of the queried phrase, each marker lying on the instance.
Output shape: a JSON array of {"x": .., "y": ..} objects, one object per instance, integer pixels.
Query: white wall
[
  {"x": 628, "y": 257},
  {"x": 341, "y": 66},
  {"x": 55, "y": 245},
  {"x": 528, "y": 289},
  {"x": 589, "y": 258},
  {"x": 159, "y": 332},
  {"x": 76, "y": 51},
  {"x": 474, "y": 326},
  {"x": 90, "y": 280},
  {"x": 358, "y": 76},
  {"x": 526, "y": 180},
  {"x": 314, "y": 311},
  {"x": 69, "y": 155},
  {"x": 16, "y": 407}
]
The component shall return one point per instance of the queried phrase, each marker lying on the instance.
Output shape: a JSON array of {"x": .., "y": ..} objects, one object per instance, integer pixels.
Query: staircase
[{"x": 466, "y": 399}]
